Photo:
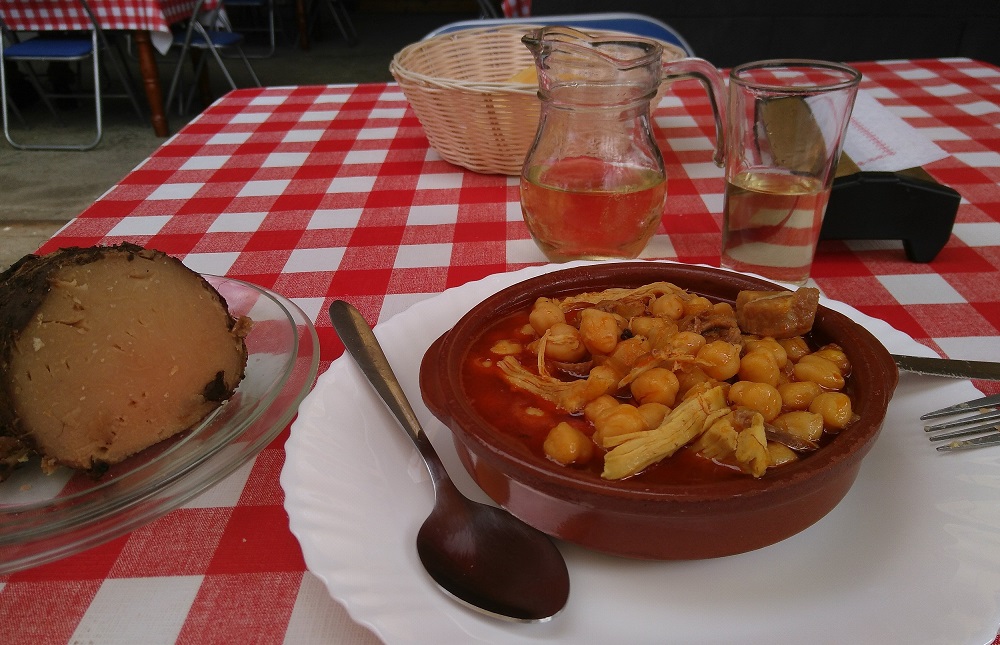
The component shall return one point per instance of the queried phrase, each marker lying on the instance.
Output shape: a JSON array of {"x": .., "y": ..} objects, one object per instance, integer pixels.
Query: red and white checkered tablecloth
[
  {"x": 332, "y": 192},
  {"x": 68, "y": 15},
  {"x": 154, "y": 16}
]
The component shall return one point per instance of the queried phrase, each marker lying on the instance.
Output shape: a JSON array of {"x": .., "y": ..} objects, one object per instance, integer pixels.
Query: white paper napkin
[{"x": 878, "y": 140}]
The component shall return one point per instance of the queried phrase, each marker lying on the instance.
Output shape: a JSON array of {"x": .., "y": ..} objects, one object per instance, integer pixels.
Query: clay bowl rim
[{"x": 847, "y": 448}]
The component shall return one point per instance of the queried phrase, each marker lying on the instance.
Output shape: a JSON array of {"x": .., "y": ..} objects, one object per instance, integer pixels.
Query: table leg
[
  {"x": 303, "y": 19},
  {"x": 151, "y": 81}
]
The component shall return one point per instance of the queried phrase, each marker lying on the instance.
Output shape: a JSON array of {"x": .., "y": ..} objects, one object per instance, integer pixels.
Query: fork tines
[
  {"x": 969, "y": 406},
  {"x": 986, "y": 424}
]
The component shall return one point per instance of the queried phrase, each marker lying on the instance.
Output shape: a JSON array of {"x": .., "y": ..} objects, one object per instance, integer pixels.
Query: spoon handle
[{"x": 360, "y": 342}]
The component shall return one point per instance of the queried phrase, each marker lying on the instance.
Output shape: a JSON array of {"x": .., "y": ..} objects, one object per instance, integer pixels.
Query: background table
[
  {"x": 332, "y": 192},
  {"x": 148, "y": 20}
]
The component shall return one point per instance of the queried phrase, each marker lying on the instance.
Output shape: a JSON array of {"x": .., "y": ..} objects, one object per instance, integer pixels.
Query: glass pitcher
[{"x": 593, "y": 184}]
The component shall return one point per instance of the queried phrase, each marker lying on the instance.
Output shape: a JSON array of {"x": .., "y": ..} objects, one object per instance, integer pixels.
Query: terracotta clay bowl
[{"x": 655, "y": 521}]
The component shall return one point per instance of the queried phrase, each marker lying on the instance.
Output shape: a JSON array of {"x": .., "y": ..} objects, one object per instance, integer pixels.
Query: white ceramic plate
[{"x": 911, "y": 555}]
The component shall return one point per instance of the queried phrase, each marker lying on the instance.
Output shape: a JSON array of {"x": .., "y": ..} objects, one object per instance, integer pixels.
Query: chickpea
[
  {"x": 690, "y": 376},
  {"x": 532, "y": 416},
  {"x": 544, "y": 314},
  {"x": 801, "y": 423},
  {"x": 599, "y": 330},
  {"x": 566, "y": 445},
  {"x": 759, "y": 365},
  {"x": 835, "y": 409},
  {"x": 627, "y": 353},
  {"x": 601, "y": 380},
  {"x": 819, "y": 370},
  {"x": 596, "y": 408},
  {"x": 835, "y": 355},
  {"x": 797, "y": 395},
  {"x": 658, "y": 331},
  {"x": 769, "y": 344},
  {"x": 723, "y": 359},
  {"x": 669, "y": 306},
  {"x": 506, "y": 348},
  {"x": 687, "y": 342},
  {"x": 761, "y": 397},
  {"x": 653, "y": 413},
  {"x": 624, "y": 419},
  {"x": 647, "y": 326},
  {"x": 779, "y": 454},
  {"x": 657, "y": 385},
  {"x": 723, "y": 309},
  {"x": 795, "y": 347},
  {"x": 564, "y": 343},
  {"x": 701, "y": 388},
  {"x": 697, "y": 305}
]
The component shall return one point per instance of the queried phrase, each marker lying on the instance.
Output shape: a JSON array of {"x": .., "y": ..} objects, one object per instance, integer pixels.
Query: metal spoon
[{"x": 482, "y": 556}]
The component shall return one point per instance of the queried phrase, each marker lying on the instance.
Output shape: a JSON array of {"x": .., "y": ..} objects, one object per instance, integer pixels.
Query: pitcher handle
[{"x": 711, "y": 79}]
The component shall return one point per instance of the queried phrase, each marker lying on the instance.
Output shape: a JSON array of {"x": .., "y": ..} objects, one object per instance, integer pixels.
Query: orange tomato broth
[{"x": 505, "y": 407}]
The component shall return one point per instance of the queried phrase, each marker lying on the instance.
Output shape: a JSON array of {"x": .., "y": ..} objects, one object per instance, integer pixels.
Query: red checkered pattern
[
  {"x": 332, "y": 192},
  {"x": 68, "y": 15},
  {"x": 516, "y": 8}
]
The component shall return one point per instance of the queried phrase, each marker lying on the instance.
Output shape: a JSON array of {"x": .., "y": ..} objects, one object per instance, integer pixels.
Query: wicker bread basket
[{"x": 459, "y": 86}]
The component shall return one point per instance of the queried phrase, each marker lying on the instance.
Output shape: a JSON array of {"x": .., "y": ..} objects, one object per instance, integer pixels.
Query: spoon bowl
[{"x": 480, "y": 555}]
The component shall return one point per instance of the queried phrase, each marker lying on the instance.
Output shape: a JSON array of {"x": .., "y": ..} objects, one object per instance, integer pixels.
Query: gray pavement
[{"x": 42, "y": 190}]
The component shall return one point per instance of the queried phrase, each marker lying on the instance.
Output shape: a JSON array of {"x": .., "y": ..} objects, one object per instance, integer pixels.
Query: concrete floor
[{"x": 41, "y": 190}]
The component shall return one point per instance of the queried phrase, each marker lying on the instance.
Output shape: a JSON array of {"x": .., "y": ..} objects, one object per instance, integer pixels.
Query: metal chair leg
[
  {"x": 216, "y": 56},
  {"x": 199, "y": 69},
  {"x": 178, "y": 71},
  {"x": 121, "y": 69},
  {"x": 271, "y": 31},
  {"x": 250, "y": 70},
  {"x": 343, "y": 20},
  {"x": 340, "y": 16},
  {"x": 96, "y": 68},
  {"x": 42, "y": 95},
  {"x": 16, "y": 112}
]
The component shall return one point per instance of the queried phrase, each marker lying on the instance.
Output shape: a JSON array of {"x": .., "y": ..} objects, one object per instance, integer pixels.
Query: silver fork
[
  {"x": 983, "y": 426},
  {"x": 985, "y": 423}
]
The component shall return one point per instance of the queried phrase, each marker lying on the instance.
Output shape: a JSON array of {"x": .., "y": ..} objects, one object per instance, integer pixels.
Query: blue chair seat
[
  {"x": 50, "y": 48},
  {"x": 632, "y": 23}
]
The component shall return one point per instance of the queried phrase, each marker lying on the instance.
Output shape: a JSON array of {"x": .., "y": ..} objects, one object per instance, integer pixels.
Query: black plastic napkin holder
[{"x": 907, "y": 205}]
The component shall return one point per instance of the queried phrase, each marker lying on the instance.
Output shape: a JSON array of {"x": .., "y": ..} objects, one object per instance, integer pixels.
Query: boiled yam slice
[{"x": 106, "y": 351}]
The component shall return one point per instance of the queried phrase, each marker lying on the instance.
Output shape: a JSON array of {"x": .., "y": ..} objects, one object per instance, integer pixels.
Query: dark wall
[{"x": 727, "y": 32}]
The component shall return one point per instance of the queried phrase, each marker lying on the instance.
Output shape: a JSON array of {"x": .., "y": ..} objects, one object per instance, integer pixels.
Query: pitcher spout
[{"x": 565, "y": 56}]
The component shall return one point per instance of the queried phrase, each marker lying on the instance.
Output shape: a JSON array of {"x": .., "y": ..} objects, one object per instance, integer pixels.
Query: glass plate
[
  {"x": 46, "y": 517},
  {"x": 911, "y": 555}
]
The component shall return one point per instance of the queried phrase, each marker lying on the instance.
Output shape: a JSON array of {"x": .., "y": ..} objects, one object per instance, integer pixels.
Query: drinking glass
[{"x": 785, "y": 129}]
